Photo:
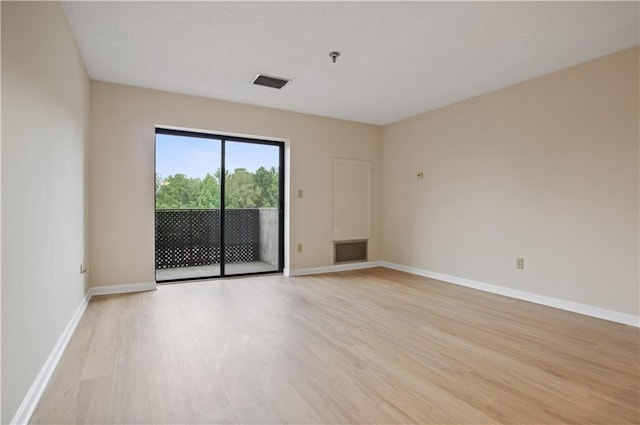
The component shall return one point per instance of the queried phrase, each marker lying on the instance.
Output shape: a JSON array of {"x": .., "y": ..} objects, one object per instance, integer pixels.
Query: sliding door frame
[{"x": 281, "y": 186}]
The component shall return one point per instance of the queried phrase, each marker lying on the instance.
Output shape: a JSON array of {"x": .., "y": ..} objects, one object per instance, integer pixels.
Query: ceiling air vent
[{"x": 267, "y": 81}]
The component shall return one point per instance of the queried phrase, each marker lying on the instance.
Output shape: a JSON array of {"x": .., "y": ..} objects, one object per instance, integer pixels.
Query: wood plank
[{"x": 368, "y": 346}]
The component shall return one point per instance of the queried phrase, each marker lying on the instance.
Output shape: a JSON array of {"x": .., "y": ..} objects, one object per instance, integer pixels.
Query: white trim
[
  {"x": 30, "y": 401},
  {"x": 588, "y": 310},
  {"x": 332, "y": 269},
  {"x": 122, "y": 289}
]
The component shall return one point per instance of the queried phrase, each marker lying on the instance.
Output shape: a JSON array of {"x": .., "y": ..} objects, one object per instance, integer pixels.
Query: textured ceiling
[{"x": 398, "y": 58}]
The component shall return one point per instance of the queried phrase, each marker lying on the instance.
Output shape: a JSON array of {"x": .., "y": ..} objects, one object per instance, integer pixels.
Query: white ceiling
[{"x": 398, "y": 58}]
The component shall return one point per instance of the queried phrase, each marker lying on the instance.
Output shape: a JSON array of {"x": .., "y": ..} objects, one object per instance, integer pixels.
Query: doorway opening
[{"x": 219, "y": 206}]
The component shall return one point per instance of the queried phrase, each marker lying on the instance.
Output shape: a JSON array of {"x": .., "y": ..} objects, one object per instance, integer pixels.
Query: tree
[
  {"x": 178, "y": 191},
  {"x": 243, "y": 190},
  {"x": 209, "y": 193},
  {"x": 159, "y": 180},
  {"x": 240, "y": 189},
  {"x": 267, "y": 189}
]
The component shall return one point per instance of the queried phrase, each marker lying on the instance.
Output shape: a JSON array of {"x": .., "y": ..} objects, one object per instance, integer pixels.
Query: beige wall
[
  {"x": 122, "y": 172},
  {"x": 45, "y": 101},
  {"x": 546, "y": 170}
]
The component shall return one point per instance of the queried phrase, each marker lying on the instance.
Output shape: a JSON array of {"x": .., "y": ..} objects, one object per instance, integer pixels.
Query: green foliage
[
  {"x": 267, "y": 188},
  {"x": 178, "y": 191},
  {"x": 240, "y": 189},
  {"x": 243, "y": 190},
  {"x": 209, "y": 194}
]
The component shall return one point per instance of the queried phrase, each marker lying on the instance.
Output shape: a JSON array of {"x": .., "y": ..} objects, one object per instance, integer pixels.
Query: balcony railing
[{"x": 191, "y": 237}]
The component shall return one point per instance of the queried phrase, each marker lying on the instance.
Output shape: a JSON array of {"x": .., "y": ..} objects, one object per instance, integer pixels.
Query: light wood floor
[{"x": 372, "y": 346}]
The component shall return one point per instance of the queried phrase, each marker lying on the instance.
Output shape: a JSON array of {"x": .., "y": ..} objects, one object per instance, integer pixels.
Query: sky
[{"x": 196, "y": 157}]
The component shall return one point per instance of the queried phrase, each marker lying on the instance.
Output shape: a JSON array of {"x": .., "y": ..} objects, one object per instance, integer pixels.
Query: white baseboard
[
  {"x": 588, "y": 310},
  {"x": 30, "y": 401},
  {"x": 122, "y": 289},
  {"x": 332, "y": 269}
]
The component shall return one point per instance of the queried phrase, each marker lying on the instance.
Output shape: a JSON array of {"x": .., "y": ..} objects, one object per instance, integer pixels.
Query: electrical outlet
[
  {"x": 299, "y": 247},
  {"x": 520, "y": 263},
  {"x": 300, "y": 194}
]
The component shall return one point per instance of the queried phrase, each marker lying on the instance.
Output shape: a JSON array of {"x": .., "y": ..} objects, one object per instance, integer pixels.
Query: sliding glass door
[
  {"x": 218, "y": 206},
  {"x": 252, "y": 204}
]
